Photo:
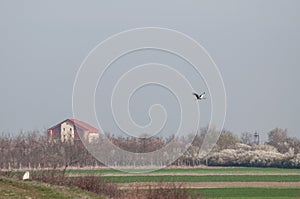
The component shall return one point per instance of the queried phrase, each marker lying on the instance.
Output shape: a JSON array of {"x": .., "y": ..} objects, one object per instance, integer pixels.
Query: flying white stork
[{"x": 199, "y": 97}]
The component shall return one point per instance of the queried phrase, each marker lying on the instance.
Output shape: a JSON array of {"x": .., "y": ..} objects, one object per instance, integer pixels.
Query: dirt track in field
[{"x": 146, "y": 185}]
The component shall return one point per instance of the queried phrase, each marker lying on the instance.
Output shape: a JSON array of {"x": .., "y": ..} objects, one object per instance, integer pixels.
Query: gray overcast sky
[{"x": 255, "y": 44}]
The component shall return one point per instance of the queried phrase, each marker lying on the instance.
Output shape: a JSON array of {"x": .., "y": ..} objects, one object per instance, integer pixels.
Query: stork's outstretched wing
[{"x": 196, "y": 95}]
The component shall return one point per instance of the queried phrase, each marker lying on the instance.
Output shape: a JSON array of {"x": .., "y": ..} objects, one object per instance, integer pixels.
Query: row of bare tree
[{"x": 34, "y": 150}]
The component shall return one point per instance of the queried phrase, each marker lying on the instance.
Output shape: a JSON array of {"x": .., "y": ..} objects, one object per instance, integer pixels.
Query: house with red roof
[{"x": 72, "y": 129}]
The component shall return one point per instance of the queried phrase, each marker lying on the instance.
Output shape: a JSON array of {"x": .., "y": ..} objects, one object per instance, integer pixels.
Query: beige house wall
[{"x": 67, "y": 132}]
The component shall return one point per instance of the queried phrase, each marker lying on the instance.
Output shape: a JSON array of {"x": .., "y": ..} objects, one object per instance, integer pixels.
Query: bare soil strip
[{"x": 147, "y": 185}]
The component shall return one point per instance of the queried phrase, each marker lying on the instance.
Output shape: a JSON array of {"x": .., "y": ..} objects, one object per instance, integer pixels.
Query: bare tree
[
  {"x": 247, "y": 138},
  {"x": 278, "y": 138},
  {"x": 226, "y": 140}
]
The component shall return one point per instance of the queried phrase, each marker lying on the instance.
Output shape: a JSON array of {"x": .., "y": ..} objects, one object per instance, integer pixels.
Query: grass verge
[{"x": 15, "y": 189}]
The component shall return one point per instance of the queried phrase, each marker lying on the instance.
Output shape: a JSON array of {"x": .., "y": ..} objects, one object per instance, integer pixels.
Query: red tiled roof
[
  {"x": 79, "y": 124},
  {"x": 84, "y": 125}
]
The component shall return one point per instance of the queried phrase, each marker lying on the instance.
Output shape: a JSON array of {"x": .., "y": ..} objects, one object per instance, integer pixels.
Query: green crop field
[
  {"x": 249, "y": 193},
  {"x": 213, "y": 174},
  {"x": 217, "y": 178}
]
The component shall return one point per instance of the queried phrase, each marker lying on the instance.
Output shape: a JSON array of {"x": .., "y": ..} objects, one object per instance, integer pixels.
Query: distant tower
[{"x": 256, "y": 137}]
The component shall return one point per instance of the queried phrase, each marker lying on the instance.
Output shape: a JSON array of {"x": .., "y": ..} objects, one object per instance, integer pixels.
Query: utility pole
[{"x": 256, "y": 137}]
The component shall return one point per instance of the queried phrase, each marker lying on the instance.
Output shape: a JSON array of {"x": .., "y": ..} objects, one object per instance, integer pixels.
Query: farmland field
[
  {"x": 239, "y": 182},
  {"x": 249, "y": 193},
  {"x": 209, "y": 178},
  {"x": 208, "y": 182}
]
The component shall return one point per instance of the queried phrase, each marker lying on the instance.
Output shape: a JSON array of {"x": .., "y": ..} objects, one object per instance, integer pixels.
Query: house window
[
  {"x": 64, "y": 129},
  {"x": 70, "y": 129}
]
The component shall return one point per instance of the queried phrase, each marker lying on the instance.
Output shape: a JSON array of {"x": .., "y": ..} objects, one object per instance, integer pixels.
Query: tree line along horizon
[{"x": 34, "y": 150}]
